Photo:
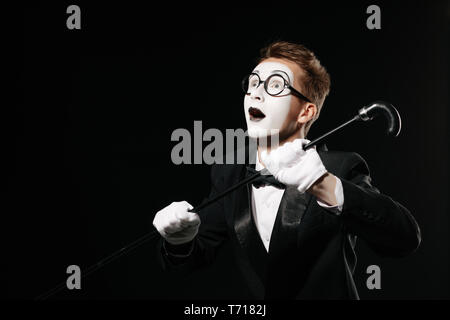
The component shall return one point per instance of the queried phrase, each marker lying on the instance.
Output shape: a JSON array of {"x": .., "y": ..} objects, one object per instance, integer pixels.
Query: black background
[{"x": 88, "y": 138}]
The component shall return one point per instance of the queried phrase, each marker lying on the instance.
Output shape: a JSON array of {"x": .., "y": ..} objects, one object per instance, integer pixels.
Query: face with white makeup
[{"x": 284, "y": 114}]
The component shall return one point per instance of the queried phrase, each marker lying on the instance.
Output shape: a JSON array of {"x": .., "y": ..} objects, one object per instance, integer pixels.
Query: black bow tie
[{"x": 265, "y": 179}]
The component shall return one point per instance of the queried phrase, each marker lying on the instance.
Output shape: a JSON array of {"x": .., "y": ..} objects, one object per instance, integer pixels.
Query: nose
[{"x": 257, "y": 94}]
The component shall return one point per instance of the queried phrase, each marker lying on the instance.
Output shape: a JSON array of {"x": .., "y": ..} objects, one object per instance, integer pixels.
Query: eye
[{"x": 276, "y": 84}]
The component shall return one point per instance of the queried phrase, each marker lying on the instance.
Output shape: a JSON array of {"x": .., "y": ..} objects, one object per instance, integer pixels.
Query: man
[{"x": 293, "y": 237}]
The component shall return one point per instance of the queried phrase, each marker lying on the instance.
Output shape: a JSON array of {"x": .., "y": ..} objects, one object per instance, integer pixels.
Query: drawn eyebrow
[{"x": 274, "y": 71}]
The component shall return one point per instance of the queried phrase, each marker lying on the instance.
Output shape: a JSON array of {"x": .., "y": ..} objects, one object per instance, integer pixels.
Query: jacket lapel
[
  {"x": 289, "y": 216},
  {"x": 243, "y": 223},
  {"x": 247, "y": 233}
]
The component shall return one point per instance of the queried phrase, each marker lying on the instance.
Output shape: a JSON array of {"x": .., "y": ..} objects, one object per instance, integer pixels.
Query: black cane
[{"x": 366, "y": 113}]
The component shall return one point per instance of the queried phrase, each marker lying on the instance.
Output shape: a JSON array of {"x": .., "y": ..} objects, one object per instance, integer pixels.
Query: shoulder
[
  {"x": 227, "y": 174},
  {"x": 342, "y": 162}
]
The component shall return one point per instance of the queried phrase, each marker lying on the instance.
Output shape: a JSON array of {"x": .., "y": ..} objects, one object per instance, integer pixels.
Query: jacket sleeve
[
  {"x": 386, "y": 226},
  {"x": 212, "y": 233}
]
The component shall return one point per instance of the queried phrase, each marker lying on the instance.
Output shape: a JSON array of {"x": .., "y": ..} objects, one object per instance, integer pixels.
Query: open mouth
[{"x": 256, "y": 114}]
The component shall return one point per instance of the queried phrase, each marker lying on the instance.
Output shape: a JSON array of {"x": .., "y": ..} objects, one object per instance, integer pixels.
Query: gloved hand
[
  {"x": 176, "y": 224},
  {"x": 293, "y": 166}
]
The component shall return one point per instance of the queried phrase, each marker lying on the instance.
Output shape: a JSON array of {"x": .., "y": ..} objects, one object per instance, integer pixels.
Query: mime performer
[{"x": 293, "y": 233}]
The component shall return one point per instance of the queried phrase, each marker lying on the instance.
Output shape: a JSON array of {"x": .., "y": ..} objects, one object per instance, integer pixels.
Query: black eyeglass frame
[{"x": 286, "y": 85}]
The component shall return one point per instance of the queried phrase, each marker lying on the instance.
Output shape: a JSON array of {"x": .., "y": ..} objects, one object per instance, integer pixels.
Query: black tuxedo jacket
[{"x": 311, "y": 253}]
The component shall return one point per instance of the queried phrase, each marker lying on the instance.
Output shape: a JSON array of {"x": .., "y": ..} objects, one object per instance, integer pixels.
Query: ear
[{"x": 307, "y": 113}]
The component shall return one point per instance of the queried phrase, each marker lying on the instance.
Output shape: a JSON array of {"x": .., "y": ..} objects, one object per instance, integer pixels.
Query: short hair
[{"x": 315, "y": 83}]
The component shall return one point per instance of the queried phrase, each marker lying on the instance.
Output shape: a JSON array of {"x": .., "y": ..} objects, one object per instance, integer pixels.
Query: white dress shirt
[{"x": 267, "y": 199}]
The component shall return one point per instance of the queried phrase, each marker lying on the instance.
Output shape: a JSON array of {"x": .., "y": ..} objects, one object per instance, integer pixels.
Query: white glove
[
  {"x": 176, "y": 224},
  {"x": 293, "y": 166}
]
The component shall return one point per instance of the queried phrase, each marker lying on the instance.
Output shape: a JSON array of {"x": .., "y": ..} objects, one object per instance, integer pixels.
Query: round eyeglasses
[{"x": 274, "y": 85}]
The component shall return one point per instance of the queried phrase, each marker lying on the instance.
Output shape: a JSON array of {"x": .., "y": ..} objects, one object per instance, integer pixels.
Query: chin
[{"x": 258, "y": 132}]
